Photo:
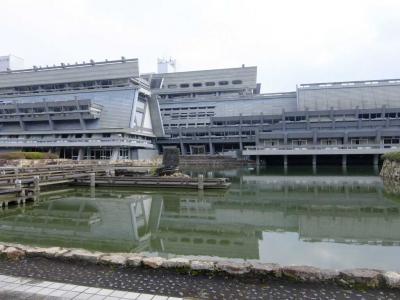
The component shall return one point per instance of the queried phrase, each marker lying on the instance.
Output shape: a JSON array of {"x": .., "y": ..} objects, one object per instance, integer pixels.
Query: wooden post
[
  {"x": 92, "y": 179},
  {"x": 200, "y": 182}
]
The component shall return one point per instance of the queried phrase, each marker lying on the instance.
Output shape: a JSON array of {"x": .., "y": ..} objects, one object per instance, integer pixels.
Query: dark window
[
  {"x": 106, "y": 135},
  {"x": 172, "y": 86},
  {"x": 237, "y": 82},
  {"x": 197, "y": 84},
  {"x": 210, "y": 83},
  {"x": 184, "y": 85},
  {"x": 223, "y": 82},
  {"x": 390, "y": 115}
]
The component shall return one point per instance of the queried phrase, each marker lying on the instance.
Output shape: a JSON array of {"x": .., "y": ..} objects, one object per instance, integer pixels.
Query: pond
[{"x": 328, "y": 219}]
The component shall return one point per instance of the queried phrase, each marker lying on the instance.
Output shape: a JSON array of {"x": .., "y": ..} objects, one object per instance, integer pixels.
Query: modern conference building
[
  {"x": 95, "y": 110},
  {"x": 219, "y": 111},
  {"x": 108, "y": 110}
]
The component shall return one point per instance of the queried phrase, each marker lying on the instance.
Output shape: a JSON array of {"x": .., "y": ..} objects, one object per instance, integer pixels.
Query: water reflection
[{"x": 335, "y": 221}]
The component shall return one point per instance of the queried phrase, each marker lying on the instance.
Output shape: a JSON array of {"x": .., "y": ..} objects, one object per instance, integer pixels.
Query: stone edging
[{"x": 369, "y": 278}]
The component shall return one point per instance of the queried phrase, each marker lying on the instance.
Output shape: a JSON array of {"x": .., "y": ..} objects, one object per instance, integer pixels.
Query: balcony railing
[
  {"x": 325, "y": 147},
  {"x": 44, "y": 142}
]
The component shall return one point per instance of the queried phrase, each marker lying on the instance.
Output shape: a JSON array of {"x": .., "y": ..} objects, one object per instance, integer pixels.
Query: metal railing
[
  {"x": 73, "y": 141},
  {"x": 325, "y": 147}
]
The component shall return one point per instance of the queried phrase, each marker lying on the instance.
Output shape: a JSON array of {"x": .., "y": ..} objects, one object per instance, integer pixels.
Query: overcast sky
[{"x": 291, "y": 42}]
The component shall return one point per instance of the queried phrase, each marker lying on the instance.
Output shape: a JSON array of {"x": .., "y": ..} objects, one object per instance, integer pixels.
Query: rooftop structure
[{"x": 11, "y": 62}]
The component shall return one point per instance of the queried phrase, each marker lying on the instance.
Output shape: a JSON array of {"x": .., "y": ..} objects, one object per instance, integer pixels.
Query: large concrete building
[
  {"x": 95, "y": 110},
  {"x": 108, "y": 110},
  {"x": 220, "y": 111}
]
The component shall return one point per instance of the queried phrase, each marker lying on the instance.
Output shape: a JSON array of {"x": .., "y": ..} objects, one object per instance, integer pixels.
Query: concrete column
[
  {"x": 115, "y": 154},
  {"x": 285, "y": 161},
  {"x": 81, "y": 153},
  {"x": 92, "y": 179},
  {"x": 376, "y": 159},
  {"x": 344, "y": 160},
  {"x": 257, "y": 160},
  {"x": 200, "y": 182},
  {"x": 314, "y": 164},
  {"x": 211, "y": 147}
]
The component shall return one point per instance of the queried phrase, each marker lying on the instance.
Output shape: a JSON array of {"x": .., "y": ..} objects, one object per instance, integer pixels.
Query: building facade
[
  {"x": 202, "y": 116},
  {"x": 95, "y": 110}
]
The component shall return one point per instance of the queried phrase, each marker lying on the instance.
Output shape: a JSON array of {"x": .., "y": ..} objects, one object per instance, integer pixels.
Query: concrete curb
[{"x": 367, "y": 278}]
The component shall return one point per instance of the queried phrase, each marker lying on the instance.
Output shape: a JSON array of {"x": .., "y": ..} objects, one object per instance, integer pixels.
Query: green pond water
[{"x": 328, "y": 219}]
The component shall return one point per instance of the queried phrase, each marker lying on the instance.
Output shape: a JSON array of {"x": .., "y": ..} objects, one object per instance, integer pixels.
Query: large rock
[
  {"x": 134, "y": 260},
  {"x": 392, "y": 279},
  {"x": 266, "y": 269},
  {"x": 113, "y": 259},
  {"x": 153, "y": 262},
  {"x": 2, "y": 248},
  {"x": 84, "y": 255},
  {"x": 199, "y": 265},
  {"x": 234, "y": 268},
  {"x": 14, "y": 253},
  {"x": 46, "y": 252},
  {"x": 308, "y": 273},
  {"x": 365, "y": 277},
  {"x": 177, "y": 262}
]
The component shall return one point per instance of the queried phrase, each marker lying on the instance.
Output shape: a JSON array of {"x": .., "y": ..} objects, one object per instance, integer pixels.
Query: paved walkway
[
  {"x": 12, "y": 287},
  {"x": 27, "y": 278}
]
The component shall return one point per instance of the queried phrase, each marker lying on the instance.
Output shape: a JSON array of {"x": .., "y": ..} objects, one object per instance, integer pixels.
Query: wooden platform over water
[{"x": 157, "y": 182}]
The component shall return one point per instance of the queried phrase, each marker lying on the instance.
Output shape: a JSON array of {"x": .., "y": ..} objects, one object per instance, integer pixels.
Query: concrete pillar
[
  {"x": 115, "y": 154},
  {"x": 257, "y": 160},
  {"x": 211, "y": 147},
  {"x": 344, "y": 160},
  {"x": 314, "y": 164},
  {"x": 92, "y": 179},
  {"x": 376, "y": 159},
  {"x": 285, "y": 161},
  {"x": 200, "y": 182},
  {"x": 81, "y": 153}
]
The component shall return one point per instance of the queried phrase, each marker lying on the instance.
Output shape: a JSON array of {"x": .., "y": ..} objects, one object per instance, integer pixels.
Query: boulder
[
  {"x": 134, "y": 260},
  {"x": 266, "y": 269},
  {"x": 46, "y": 252},
  {"x": 14, "y": 253},
  {"x": 392, "y": 279},
  {"x": 365, "y": 277},
  {"x": 177, "y": 262},
  {"x": 85, "y": 255},
  {"x": 113, "y": 259},
  {"x": 232, "y": 267},
  {"x": 2, "y": 248},
  {"x": 153, "y": 262},
  {"x": 199, "y": 265},
  {"x": 308, "y": 273}
]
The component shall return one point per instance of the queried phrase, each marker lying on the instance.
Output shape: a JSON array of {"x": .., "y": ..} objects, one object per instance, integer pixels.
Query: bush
[
  {"x": 27, "y": 155},
  {"x": 392, "y": 156}
]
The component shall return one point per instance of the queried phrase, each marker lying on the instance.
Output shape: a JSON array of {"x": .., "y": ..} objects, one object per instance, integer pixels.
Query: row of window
[
  {"x": 76, "y": 136},
  {"x": 200, "y": 84},
  {"x": 186, "y": 108},
  {"x": 65, "y": 86}
]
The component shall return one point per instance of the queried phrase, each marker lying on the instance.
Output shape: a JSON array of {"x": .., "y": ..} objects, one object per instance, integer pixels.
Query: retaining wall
[{"x": 193, "y": 265}]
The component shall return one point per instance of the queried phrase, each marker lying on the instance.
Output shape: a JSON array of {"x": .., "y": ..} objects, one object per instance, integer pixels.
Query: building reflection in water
[{"x": 287, "y": 219}]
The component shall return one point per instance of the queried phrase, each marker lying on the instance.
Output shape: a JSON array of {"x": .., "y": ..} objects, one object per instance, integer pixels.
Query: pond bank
[{"x": 193, "y": 265}]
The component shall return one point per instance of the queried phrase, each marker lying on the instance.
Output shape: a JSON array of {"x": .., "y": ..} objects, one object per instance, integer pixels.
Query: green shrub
[
  {"x": 392, "y": 156},
  {"x": 27, "y": 155}
]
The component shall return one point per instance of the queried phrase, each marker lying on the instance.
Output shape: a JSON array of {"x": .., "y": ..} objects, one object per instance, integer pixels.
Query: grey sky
[{"x": 291, "y": 42}]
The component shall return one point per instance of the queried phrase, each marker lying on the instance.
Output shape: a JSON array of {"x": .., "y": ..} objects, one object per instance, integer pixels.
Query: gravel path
[{"x": 172, "y": 283}]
